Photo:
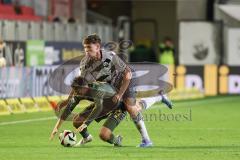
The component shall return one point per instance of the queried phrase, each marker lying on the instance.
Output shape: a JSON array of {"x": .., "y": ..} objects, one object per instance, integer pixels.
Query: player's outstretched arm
[
  {"x": 71, "y": 104},
  {"x": 56, "y": 128},
  {"x": 125, "y": 83}
]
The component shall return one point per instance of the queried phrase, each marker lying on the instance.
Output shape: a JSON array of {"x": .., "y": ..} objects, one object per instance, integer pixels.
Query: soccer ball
[{"x": 67, "y": 138}]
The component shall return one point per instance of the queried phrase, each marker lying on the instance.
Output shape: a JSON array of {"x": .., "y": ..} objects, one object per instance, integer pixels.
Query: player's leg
[
  {"x": 106, "y": 132},
  {"x": 146, "y": 103},
  {"x": 137, "y": 118},
  {"x": 107, "y": 135},
  {"x": 65, "y": 112},
  {"x": 129, "y": 100},
  {"x": 78, "y": 121}
]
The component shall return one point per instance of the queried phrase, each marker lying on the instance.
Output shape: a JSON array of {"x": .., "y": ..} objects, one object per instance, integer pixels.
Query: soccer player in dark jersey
[
  {"x": 106, "y": 66},
  {"x": 97, "y": 111},
  {"x": 102, "y": 108}
]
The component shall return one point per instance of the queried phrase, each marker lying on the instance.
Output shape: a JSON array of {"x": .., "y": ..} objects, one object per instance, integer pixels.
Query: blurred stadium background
[{"x": 198, "y": 40}]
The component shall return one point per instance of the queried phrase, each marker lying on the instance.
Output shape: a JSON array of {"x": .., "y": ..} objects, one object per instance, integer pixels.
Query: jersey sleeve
[
  {"x": 118, "y": 63},
  {"x": 82, "y": 66},
  {"x": 70, "y": 107},
  {"x": 84, "y": 70}
]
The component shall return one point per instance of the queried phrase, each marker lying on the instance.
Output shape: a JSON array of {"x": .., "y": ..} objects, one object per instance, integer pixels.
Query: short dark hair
[
  {"x": 92, "y": 39},
  {"x": 78, "y": 82}
]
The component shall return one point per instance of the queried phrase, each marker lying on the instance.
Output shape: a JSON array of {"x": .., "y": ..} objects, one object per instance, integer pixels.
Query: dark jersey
[{"x": 101, "y": 94}]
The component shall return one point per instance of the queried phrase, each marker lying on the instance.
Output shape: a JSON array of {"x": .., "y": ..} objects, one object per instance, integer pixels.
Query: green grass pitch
[{"x": 194, "y": 130}]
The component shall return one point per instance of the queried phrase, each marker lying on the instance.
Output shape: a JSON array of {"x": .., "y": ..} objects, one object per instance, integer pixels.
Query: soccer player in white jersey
[{"x": 106, "y": 66}]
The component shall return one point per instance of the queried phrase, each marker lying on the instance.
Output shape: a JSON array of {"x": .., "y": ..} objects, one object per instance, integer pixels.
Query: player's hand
[
  {"x": 116, "y": 98},
  {"x": 82, "y": 127},
  {"x": 54, "y": 132}
]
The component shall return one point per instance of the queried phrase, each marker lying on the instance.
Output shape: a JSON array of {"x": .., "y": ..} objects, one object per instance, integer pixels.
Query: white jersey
[{"x": 109, "y": 69}]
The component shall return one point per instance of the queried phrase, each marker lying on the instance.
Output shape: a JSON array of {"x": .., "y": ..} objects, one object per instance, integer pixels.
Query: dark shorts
[
  {"x": 114, "y": 115},
  {"x": 130, "y": 93},
  {"x": 114, "y": 119}
]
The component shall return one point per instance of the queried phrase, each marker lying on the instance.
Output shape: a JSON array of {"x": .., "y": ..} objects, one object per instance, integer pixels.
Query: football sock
[
  {"x": 138, "y": 120},
  {"x": 84, "y": 133},
  {"x": 148, "y": 102},
  {"x": 112, "y": 139}
]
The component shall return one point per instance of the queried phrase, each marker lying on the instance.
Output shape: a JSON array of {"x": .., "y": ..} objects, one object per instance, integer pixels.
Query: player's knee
[
  {"x": 139, "y": 106},
  {"x": 132, "y": 110},
  {"x": 77, "y": 122},
  {"x": 105, "y": 133}
]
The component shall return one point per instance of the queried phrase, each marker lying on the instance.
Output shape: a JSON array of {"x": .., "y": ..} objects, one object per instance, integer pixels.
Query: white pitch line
[{"x": 26, "y": 121}]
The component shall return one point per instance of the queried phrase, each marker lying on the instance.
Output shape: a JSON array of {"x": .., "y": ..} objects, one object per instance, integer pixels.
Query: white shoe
[
  {"x": 145, "y": 144},
  {"x": 84, "y": 141},
  {"x": 118, "y": 142},
  {"x": 166, "y": 101}
]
